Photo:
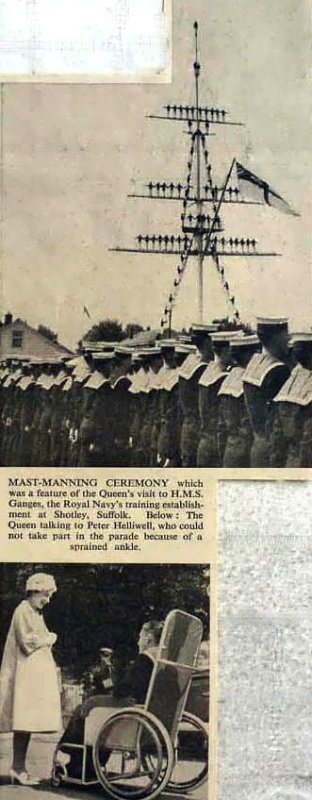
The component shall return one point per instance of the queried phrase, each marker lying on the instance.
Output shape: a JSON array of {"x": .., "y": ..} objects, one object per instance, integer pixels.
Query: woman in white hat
[{"x": 29, "y": 692}]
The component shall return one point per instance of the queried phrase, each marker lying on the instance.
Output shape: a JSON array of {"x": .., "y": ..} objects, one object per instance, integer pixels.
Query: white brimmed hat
[{"x": 41, "y": 582}]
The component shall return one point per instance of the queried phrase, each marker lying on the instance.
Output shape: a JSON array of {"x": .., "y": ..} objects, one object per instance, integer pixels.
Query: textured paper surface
[
  {"x": 265, "y": 629},
  {"x": 115, "y": 39}
]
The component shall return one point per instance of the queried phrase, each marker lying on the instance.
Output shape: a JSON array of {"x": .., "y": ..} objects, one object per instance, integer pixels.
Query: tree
[
  {"x": 47, "y": 333},
  {"x": 107, "y": 330}
]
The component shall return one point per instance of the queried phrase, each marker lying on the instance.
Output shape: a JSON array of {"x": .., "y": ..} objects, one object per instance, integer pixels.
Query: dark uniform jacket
[
  {"x": 121, "y": 421},
  {"x": 139, "y": 393},
  {"x": 189, "y": 374},
  {"x": 263, "y": 379},
  {"x": 23, "y": 451},
  {"x": 168, "y": 443},
  {"x": 293, "y": 420},
  {"x": 234, "y": 429},
  {"x": 208, "y": 451}
]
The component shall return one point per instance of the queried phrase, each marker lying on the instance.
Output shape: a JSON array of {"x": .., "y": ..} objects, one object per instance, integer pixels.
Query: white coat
[{"x": 29, "y": 693}]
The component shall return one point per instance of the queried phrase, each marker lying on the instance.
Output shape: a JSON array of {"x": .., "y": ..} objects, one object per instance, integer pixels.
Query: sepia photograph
[
  {"x": 104, "y": 680},
  {"x": 156, "y": 255}
]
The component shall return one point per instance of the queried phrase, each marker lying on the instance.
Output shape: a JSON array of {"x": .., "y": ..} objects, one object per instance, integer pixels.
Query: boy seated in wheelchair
[{"x": 130, "y": 689}]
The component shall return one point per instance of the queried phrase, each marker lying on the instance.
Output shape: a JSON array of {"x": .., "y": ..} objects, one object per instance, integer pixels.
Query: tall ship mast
[{"x": 202, "y": 234}]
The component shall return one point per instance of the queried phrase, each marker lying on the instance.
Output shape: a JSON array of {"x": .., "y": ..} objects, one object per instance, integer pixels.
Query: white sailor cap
[
  {"x": 185, "y": 348},
  {"x": 103, "y": 345},
  {"x": 137, "y": 356},
  {"x": 147, "y": 352},
  {"x": 123, "y": 350},
  {"x": 105, "y": 355},
  {"x": 106, "y": 651},
  {"x": 304, "y": 337},
  {"x": 272, "y": 323},
  {"x": 168, "y": 344},
  {"x": 185, "y": 338},
  {"x": 87, "y": 347},
  {"x": 250, "y": 340},
  {"x": 207, "y": 328},
  {"x": 224, "y": 337}
]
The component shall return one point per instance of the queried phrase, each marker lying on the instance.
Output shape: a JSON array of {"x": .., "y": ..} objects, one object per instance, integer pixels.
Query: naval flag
[{"x": 253, "y": 188}]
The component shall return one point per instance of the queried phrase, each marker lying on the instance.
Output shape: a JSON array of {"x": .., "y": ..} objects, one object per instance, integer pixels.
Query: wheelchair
[{"x": 137, "y": 752}]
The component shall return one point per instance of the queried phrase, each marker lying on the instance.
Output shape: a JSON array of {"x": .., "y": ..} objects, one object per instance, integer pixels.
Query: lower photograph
[{"x": 104, "y": 682}]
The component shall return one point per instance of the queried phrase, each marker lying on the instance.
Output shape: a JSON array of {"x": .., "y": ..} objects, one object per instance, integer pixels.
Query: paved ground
[{"x": 39, "y": 763}]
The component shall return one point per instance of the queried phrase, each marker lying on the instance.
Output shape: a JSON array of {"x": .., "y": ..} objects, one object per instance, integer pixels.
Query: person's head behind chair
[{"x": 149, "y": 636}]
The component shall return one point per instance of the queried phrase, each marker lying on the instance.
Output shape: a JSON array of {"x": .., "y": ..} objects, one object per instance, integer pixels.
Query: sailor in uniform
[
  {"x": 10, "y": 416},
  {"x": 65, "y": 424},
  {"x": 168, "y": 443},
  {"x": 189, "y": 375},
  {"x": 41, "y": 453},
  {"x": 138, "y": 391},
  {"x": 80, "y": 376},
  {"x": 208, "y": 451},
  {"x": 95, "y": 441},
  {"x": 155, "y": 404},
  {"x": 294, "y": 406},
  {"x": 234, "y": 429},
  {"x": 120, "y": 381},
  {"x": 23, "y": 450},
  {"x": 265, "y": 374},
  {"x": 154, "y": 360},
  {"x": 3, "y": 400},
  {"x": 57, "y": 416}
]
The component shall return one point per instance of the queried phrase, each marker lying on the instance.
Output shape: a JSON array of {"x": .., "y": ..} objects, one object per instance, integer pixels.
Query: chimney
[{"x": 8, "y": 319}]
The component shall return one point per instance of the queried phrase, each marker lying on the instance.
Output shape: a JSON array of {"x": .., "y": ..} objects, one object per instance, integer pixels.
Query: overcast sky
[{"x": 71, "y": 153}]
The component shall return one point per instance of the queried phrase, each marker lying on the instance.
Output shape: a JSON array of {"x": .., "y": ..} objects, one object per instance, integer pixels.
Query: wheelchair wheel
[
  {"x": 133, "y": 755},
  {"x": 191, "y": 755}
]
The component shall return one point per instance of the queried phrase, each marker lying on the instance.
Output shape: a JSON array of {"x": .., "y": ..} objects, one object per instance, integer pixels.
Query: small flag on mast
[
  {"x": 85, "y": 311},
  {"x": 253, "y": 188}
]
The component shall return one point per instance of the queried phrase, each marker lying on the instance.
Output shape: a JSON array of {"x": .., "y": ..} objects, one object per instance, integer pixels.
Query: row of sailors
[{"x": 226, "y": 399}]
